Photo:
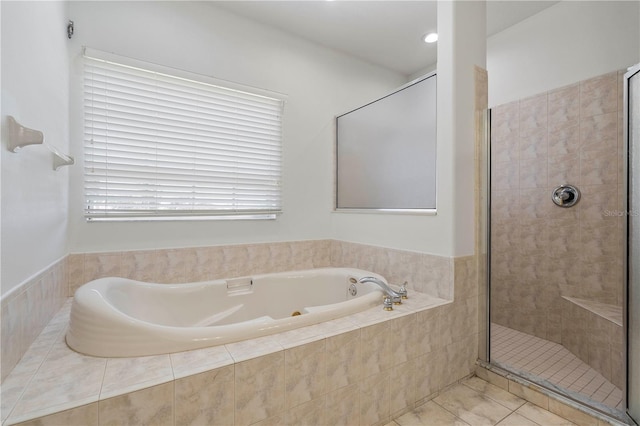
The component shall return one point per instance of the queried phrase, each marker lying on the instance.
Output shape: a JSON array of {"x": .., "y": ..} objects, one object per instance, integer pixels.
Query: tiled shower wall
[
  {"x": 572, "y": 135},
  {"x": 27, "y": 310}
]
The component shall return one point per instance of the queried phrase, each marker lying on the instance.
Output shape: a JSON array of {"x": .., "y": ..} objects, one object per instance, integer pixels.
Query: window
[
  {"x": 397, "y": 134},
  {"x": 171, "y": 145}
]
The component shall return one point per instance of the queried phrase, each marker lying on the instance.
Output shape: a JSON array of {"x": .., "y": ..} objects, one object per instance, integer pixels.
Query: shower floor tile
[{"x": 552, "y": 362}]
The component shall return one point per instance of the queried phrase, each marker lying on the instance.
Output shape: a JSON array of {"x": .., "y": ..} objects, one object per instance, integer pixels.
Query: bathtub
[{"x": 117, "y": 317}]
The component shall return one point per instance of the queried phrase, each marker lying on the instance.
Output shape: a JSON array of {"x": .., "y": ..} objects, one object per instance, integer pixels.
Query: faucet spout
[{"x": 390, "y": 292}]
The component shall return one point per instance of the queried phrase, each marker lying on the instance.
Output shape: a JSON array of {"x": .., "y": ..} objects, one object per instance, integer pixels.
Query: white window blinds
[{"x": 164, "y": 146}]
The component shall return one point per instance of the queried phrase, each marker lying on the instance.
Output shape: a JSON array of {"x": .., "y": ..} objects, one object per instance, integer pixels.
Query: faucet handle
[
  {"x": 403, "y": 290},
  {"x": 387, "y": 304}
]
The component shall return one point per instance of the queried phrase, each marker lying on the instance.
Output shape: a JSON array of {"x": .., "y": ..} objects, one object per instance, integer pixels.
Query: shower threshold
[{"x": 555, "y": 366}]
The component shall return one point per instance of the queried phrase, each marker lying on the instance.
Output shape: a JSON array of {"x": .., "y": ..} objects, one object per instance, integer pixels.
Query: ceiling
[{"x": 386, "y": 33}]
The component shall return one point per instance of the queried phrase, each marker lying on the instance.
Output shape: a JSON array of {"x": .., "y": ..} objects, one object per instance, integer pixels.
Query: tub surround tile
[
  {"x": 424, "y": 273},
  {"x": 280, "y": 255},
  {"x": 86, "y": 415},
  {"x": 343, "y": 366},
  {"x": 403, "y": 332},
  {"x": 206, "y": 398},
  {"x": 124, "y": 375},
  {"x": 61, "y": 362},
  {"x": 259, "y": 388},
  {"x": 271, "y": 421},
  {"x": 341, "y": 375},
  {"x": 374, "y": 406},
  {"x": 305, "y": 373},
  {"x": 216, "y": 266},
  {"x": 171, "y": 266},
  {"x": 372, "y": 316},
  {"x": 100, "y": 265},
  {"x": 254, "y": 348},
  {"x": 140, "y": 265},
  {"x": 75, "y": 264},
  {"x": 197, "y": 264},
  {"x": 374, "y": 399},
  {"x": 429, "y": 325},
  {"x": 46, "y": 397},
  {"x": 64, "y": 380},
  {"x": 200, "y": 360},
  {"x": 433, "y": 378},
  {"x": 236, "y": 260},
  {"x": 309, "y": 413},
  {"x": 153, "y": 406},
  {"x": 38, "y": 351},
  {"x": 402, "y": 387},
  {"x": 343, "y": 406},
  {"x": 27, "y": 309},
  {"x": 376, "y": 349},
  {"x": 300, "y": 336},
  {"x": 11, "y": 391}
]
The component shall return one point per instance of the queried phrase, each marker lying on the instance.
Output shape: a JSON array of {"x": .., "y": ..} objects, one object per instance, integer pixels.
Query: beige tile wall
[
  {"x": 540, "y": 251},
  {"x": 198, "y": 263},
  {"x": 27, "y": 310},
  {"x": 423, "y": 272},
  {"x": 365, "y": 375}
]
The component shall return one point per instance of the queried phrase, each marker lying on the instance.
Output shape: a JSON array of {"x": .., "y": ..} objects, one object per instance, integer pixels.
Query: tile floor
[
  {"x": 476, "y": 402},
  {"x": 552, "y": 362}
]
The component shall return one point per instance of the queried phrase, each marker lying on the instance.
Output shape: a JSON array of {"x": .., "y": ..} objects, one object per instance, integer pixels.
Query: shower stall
[{"x": 564, "y": 241}]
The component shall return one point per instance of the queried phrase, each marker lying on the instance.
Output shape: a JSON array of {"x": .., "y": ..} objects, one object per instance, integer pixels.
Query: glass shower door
[{"x": 632, "y": 117}]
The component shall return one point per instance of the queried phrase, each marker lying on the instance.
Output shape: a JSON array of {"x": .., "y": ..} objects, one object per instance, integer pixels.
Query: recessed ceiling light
[{"x": 431, "y": 38}]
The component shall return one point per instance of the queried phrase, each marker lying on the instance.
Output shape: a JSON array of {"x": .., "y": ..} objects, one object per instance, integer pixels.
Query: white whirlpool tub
[{"x": 117, "y": 317}]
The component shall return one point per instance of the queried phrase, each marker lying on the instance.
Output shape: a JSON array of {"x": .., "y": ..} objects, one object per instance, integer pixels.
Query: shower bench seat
[{"x": 592, "y": 331}]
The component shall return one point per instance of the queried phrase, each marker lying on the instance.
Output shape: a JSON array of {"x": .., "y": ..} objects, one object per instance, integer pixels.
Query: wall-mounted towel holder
[
  {"x": 21, "y": 136},
  {"x": 60, "y": 159}
]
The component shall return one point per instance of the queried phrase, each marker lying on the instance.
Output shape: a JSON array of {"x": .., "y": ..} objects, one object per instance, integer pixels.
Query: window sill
[{"x": 180, "y": 218}]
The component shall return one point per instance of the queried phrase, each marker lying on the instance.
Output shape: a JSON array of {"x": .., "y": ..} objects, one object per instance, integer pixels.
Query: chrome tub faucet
[{"x": 392, "y": 297}]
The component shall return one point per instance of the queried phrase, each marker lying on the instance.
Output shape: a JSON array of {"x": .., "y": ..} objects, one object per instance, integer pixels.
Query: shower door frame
[
  {"x": 633, "y": 71},
  {"x": 485, "y": 358}
]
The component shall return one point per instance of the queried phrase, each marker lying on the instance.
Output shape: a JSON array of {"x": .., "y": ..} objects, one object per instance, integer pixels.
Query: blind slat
[{"x": 165, "y": 146}]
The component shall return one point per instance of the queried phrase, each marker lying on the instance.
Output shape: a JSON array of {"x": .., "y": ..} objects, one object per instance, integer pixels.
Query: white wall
[
  {"x": 35, "y": 90},
  {"x": 461, "y": 45},
  {"x": 198, "y": 37},
  {"x": 565, "y": 43}
]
